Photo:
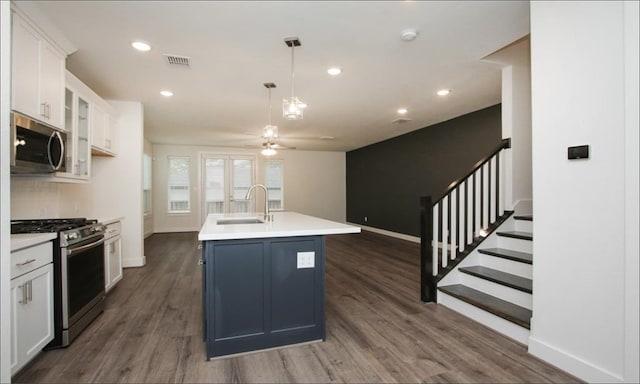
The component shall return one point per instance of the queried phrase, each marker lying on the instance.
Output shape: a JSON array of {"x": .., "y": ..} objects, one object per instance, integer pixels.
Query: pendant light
[
  {"x": 292, "y": 106},
  {"x": 269, "y": 132}
]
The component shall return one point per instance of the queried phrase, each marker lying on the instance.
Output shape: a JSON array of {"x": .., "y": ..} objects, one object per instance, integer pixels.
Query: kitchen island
[{"x": 263, "y": 281}]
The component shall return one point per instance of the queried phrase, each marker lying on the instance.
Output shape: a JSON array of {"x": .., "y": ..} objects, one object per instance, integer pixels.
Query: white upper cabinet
[
  {"x": 104, "y": 132},
  {"x": 78, "y": 128},
  {"x": 37, "y": 70}
]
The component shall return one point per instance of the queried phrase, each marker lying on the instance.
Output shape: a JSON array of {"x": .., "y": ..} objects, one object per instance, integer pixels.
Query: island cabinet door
[
  {"x": 297, "y": 287},
  {"x": 263, "y": 293}
]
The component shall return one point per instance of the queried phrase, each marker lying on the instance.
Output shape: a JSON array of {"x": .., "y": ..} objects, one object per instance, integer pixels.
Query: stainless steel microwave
[{"x": 36, "y": 147}]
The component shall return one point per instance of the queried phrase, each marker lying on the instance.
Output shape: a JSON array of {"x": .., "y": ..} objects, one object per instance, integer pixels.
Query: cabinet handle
[
  {"x": 25, "y": 263},
  {"x": 200, "y": 262},
  {"x": 48, "y": 110},
  {"x": 30, "y": 291},
  {"x": 43, "y": 110},
  {"x": 24, "y": 293}
]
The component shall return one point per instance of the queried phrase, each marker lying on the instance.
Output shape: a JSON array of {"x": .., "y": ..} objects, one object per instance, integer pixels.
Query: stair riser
[
  {"x": 453, "y": 277},
  {"x": 524, "y": 225},
  {"x": 515, "y": 244},
  {"x": 511, "y": 295},
  {"x": 490, "y": 320},
  {"x": 491, "y": 241},
  {"x": 514, "y": 267}
]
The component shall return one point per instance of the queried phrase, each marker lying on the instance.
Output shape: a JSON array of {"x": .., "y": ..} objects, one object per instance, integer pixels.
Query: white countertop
[
  {"x": 26, "y": 240},
  {"x": 110, "y": 220},
  {"x": 284, "y": 224}
]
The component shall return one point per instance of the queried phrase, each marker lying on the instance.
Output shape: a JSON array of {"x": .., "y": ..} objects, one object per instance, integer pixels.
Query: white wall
[
  {"x": 516, "y": 123},
  {"x": 116, "y": 185},
  {"x": 148, "y": 219},
  {"x": 314, "y": 184},
  {"x": 632, "y": 191},
  {"x": 585, "y": 274},
  {"x": 5, "y": 249}
]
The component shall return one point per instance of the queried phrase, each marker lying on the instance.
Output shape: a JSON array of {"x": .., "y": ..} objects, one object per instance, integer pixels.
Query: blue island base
[{"x": 262, "y": 293}]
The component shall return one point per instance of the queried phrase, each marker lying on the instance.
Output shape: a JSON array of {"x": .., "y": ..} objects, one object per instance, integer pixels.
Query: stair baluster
[{"x": 450, "y": 227}]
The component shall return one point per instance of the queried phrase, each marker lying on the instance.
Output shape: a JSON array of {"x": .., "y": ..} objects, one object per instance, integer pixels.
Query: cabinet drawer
[
  {"x": 113, "y": 229},
  {"x": 28, "y": 259}
]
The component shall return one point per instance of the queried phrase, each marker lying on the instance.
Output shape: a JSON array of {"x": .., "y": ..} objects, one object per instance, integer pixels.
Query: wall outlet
[{"x": 306, "y": 260}]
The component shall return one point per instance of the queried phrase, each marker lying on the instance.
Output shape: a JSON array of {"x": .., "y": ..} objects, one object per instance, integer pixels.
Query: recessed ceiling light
[
  {"x": 166, "y": 93},
  {"x": 327, "y": 137},
  {"x": 141, "y": 46},
  {"x": 444, "y": 92},
  {"x": 334, "y": 71},
  {"x": 402, "y": 111}
]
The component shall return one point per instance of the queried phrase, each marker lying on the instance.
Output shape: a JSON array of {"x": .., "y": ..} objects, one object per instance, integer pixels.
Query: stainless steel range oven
[{"x": 78, "y": 265}]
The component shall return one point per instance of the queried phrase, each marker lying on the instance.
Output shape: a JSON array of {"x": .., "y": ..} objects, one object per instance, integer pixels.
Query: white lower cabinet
[
  {"x": 112, "y": 256},
  {"x": 31, "y": 307}
]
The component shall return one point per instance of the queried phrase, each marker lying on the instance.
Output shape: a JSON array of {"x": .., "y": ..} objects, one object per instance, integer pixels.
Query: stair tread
[
  {"x": 507, "y": 279},
  {"x": 504, "y": 309},
  {"x": 522, "y": 257},
  {"x": 516, "y": 234},
  {"x": 524, "y": 217}
]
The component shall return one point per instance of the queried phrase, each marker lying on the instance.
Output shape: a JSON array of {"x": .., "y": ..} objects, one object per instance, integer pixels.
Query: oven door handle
[{"x": 72, "y": 251}]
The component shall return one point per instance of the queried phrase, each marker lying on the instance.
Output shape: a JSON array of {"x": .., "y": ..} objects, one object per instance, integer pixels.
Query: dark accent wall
[{"x": 385, "y": 180}]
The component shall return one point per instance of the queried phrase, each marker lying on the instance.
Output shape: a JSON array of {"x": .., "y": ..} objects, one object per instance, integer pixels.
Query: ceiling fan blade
[{"x": 278, "y": 146}]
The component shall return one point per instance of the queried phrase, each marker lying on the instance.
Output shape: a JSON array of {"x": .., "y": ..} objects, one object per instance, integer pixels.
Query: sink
[{"x": 239, "y": 220}]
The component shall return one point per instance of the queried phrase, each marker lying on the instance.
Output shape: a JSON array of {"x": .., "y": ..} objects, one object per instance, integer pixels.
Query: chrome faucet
[{"x": 267, "y": 215}]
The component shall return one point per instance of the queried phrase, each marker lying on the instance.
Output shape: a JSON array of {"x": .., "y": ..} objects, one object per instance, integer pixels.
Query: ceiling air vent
[
  {"x": 177, "y": 60},
  {"x": 401, "y": 120}
]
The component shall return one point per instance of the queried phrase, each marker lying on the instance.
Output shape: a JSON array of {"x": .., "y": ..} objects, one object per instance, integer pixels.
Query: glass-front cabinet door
[
  {"x": 77, "y": 147},
  {"x": 69, "y": 113},
  {"x": 82, "y": 135}
]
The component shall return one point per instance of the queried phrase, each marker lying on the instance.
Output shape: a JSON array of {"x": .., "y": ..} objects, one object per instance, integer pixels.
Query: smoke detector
[{"x": 409, "y": 34}]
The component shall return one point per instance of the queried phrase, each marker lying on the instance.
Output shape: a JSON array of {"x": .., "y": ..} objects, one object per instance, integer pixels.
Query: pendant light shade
[{"x": 292, "y": 107}]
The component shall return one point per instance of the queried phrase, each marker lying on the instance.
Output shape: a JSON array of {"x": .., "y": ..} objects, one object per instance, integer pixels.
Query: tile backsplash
[{"x": 35, "y": 199}]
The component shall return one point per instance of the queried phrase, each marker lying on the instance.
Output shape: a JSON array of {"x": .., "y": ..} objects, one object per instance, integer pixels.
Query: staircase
[
  {"x": 476, "y": 257},
  {"x": 493, "y": 283}
]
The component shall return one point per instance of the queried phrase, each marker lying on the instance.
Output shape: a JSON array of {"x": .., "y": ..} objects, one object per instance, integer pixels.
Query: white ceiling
[{"x": 235, "y": 47}]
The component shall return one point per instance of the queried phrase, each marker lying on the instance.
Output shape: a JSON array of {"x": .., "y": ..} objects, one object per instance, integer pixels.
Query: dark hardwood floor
[{"x": 377, "y": 329}]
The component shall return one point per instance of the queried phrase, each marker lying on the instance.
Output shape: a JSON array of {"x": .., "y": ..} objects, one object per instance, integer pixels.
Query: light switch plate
[{"x": 306, "y": 260}]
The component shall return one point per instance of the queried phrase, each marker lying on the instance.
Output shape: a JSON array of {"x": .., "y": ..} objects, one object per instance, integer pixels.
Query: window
[
  {"x": 146, "y": 184},
  {"x": 273, "y": 182},
  {"x": 179, "y": 185}
]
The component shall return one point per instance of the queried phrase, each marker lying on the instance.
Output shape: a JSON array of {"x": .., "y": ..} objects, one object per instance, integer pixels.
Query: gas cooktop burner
[{"x": 48, "y": 225}]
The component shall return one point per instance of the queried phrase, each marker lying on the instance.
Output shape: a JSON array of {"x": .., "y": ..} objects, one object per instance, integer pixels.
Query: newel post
[{"x": 427, "y": 280}]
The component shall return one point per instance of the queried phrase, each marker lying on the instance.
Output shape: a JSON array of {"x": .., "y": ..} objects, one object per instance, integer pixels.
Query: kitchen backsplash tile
[{"x": 33, "y": 199}]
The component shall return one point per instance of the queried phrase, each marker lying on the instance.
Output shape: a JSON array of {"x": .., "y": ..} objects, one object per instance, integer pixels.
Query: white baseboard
[
  {"x": 134, "y": 262},
  {"x": 177, "y": 229},
  {"x": 397, "y": 235},
  {"x": 572, "y": 364}
]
